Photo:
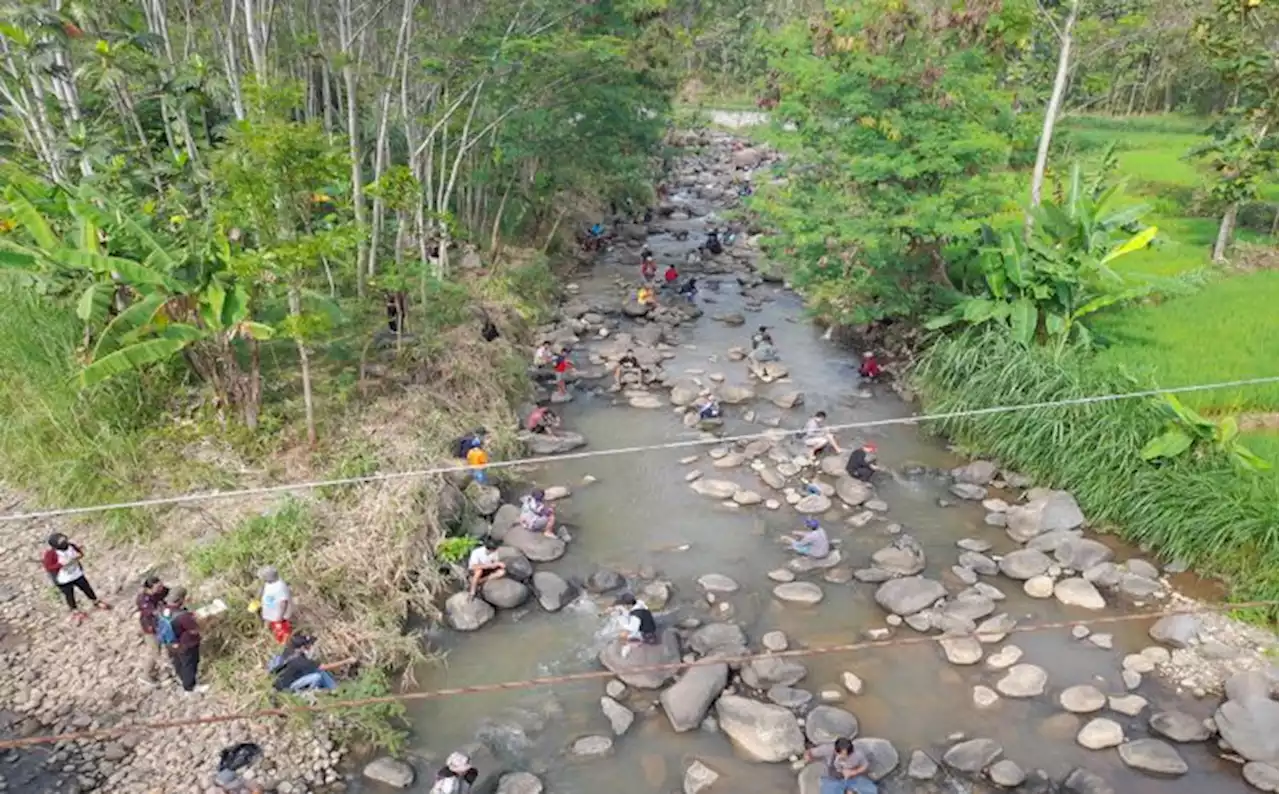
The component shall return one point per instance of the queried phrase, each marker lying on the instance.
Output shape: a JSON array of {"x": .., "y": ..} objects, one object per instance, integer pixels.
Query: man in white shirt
[
  {"x": 817, "y": 437},
  {"x": 484, "y": 564},
  {"x": 277, "y": 604}
]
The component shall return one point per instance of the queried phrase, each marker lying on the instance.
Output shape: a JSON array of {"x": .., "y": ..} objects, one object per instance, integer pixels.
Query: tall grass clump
[{"x": 1218, "y": 518}]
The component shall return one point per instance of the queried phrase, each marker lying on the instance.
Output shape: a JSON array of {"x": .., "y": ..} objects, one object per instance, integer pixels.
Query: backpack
[
  {"x": 463, "y": 445},
  {"x": 166, "y": 627}
]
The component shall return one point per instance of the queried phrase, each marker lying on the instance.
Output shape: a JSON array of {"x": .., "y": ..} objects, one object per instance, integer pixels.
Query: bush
[
  {"x": 1215, "y": 517},
  {"x": 273, "y": 539}
]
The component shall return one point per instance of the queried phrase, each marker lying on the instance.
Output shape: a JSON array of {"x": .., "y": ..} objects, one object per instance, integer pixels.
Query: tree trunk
[
  {"x": 1051, "y": 112},
  {"x": 295, "y": 309},
  {"x": 357, "y": 177},
  {"x": 1226, "y": 232}
]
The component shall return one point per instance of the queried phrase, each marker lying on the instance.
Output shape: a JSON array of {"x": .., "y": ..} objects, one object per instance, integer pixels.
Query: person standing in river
[{"x": 62, "y": 561}]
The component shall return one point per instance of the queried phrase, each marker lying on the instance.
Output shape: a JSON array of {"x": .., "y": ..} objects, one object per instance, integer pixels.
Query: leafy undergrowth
[{"x": 1205, "y": 511}]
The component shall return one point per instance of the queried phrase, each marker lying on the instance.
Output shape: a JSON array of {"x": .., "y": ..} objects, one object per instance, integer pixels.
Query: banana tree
[
  {"x": 1187, "y": 432},
  {"x": 1047, "y": 286}
]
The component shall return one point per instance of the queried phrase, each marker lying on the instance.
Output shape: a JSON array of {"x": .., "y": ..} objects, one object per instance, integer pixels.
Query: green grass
[
  {"x": 1218, "y": 518},
  {"x": 1225, "y": 331},
  {"x": 272, "y": 539}
]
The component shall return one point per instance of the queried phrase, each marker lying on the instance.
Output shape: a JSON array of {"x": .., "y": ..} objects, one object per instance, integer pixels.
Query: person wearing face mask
[{"x": 62, "y": 561}]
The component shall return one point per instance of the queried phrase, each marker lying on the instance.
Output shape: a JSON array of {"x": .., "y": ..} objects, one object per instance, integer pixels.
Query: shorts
[
  {"x": 281, "y": 630},
  {"x": 817, "y": 442}
]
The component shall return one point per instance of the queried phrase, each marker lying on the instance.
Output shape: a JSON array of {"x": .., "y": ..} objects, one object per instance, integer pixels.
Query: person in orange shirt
[{"x": 478, "y": 458}]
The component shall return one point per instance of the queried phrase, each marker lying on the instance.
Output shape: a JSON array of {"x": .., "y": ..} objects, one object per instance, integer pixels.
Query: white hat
[{"x": 458, "y": 762}]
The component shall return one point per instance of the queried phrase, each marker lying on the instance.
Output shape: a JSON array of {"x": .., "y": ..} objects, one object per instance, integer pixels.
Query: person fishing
[
  {"x": 870, "y": 368},
  {"x": 861, "y": 464},
  {"x": 812, "y": 541},
  {"x": 638, "y": 624}
]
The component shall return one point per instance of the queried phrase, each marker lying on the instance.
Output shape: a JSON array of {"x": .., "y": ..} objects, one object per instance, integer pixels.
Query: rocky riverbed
[{"x": 965, "y": 551}]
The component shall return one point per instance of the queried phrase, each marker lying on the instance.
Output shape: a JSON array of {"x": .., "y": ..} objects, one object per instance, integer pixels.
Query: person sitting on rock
[
  {"x": 761, "y": 337},
  {"x": 861, "y": 463},
  {"x": 628, "y": 367},
  {"x": 542, "y": 420},
  {"x": 812, "y": 541},
  {"x": 709, "y": 407},
  {"x": 817, "y": 437},
  {"x": 638, "y": 624},
  {"x": 846, "y": 770},
  {"x": 297, "y": 671},
  {"x": 645, "y": 296},
  {"x": 483, "y": 564},
  {"x": 870, "y": 368},
  {"x": 689, "y": 290},
  {"x": 536, "y": 515},
  {"x": 457, "y": 776}
]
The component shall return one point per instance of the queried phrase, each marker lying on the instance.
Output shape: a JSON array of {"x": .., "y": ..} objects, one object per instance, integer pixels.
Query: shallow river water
[{"x": 641, "y": 512}]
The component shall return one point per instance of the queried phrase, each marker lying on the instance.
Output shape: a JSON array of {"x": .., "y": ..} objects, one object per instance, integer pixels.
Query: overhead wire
[
  {"x": 335, "y": 704},
  {"x": 164, "y": 501}
]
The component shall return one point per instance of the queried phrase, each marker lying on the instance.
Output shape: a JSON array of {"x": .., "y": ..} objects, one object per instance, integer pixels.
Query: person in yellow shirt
[
  {"x": 644, "y": 296},
  {"x": 477, "y": 458}
]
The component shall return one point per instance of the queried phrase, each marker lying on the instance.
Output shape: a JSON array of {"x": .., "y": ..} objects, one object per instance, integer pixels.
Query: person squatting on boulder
[
  {"x": 483, "y": 564},
  {"x": 861, "y": 463},
  {"x": 713, "y": 245},
  {"x": 846, "y": 769},
  {"x": 817, "y": 437},
  {"x": 536, "y": 515},
  {"x": 762, "y": 347},
  {"x": 542, "y": 420},
  {"x": 708, "y": 406},
  {"x": 628, "y": 368},
  {"x": 63, "y": 562},
  {"x": 812, "y": 541},
  {"x": 689, "y": 290},
  {"x": 638, "y": 624},
  {"x": 457, "y": 776},
  {"x": 276, "y": 604}
]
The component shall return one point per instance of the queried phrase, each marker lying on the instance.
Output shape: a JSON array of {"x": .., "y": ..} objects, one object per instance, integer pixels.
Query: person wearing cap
[
  {"x": 62, "y": 562},
  {"x": 299, "y": 672},
  {"x": 812, "y": 541},
  {"x": 862, "y": 462},
  {"x": 536, "y": 515},
  {"x": 870, "y": 368},
  {"x": 484, "y": 564},
  {"x": 457, "y": 776},
  {"x": 277, "y": 604},
  {"x": 149, "y": 601},
  {"x": 184, "y": 651}
]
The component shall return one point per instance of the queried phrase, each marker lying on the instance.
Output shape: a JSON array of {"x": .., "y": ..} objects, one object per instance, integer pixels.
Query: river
[{"x": 641, "y": 514}]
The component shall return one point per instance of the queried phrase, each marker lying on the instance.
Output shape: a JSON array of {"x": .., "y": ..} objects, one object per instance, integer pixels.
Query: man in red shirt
[
  {"x": 562, "y": 366},
  {"x": 149, "y": 602},
  {"x": 670, "y": 275},
  {"x": 870, "y": 368}
]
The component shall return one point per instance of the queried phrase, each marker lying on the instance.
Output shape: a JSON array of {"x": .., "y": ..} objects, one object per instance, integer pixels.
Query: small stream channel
[{"x": 640, "y": 513}]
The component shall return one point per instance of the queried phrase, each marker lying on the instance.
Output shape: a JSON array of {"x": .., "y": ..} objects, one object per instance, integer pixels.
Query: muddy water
[{"x": 640, "y": 513}]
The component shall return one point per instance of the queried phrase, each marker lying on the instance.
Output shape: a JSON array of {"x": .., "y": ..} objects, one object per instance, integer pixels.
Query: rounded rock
[
  {"x": 1082, "y": 699},
  {"x": 1006, "y": 774},
  {"x": 1023, "y": 681},
  {"x": 798, "y": 593},
  {"x": 1100, "y": 733}
]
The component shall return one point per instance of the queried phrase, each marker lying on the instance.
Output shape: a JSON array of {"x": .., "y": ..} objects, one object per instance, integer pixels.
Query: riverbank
[{"x": 359, "y": 560}]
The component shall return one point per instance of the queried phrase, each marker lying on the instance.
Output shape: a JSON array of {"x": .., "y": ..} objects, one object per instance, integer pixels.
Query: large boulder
[
  {"x": 1024, "y": 564},
  {"x": 813, "y": 504},
  {"x": 684, "y": 392},
  {"x": 969, "y": 491},
  {"x": 768, "y": 671},
  {"x": 1179, "y": 726},
  {"x": 465, "y": 613},
  {"x": 508, "y": 516},
  {"x": 534, "y": 545},
  {"x": 798, "y": 592},
  {"x": 760, "y": 731},
  {"x": 1176, "y": 631},
  {"x": 828, "y": 723},
  {"x": 631, "y": 669},
  {"x": 1082, "y": 781},
  {"x": 1153, "y": 756},
  {"x": 687, "y": 700},
  {"x": 553, "y": 592},
  {"x": 851, "y": 490},
  {"x": 543, "y": 444},
  {"x": 909, "y": 595},
  {"x": 504, "y": 593},
  {"x": 716, "y": 489},
  {"x": 749, "y": 157},
  {"x": 389, "y": 772},
  {"x": 734, "y": 395},
  {"x": 717, "y": 638},
  {"x": 519, "y": 783},
  {"x": 1250, "y": 728},
  {"x": 1077, "y": 592},
  {"x": 904, "y": 556},
  {"x": 978, "y": 472},
  {"x": 1057, "y": 510},
  {"x": 882, "y": 757},
  {"x": 1081, "y": 554},
  {"x": 972, "y": 756}
]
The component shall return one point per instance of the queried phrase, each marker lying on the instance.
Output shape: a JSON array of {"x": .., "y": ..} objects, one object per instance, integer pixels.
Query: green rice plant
[{"x": 1207, "y": 512}]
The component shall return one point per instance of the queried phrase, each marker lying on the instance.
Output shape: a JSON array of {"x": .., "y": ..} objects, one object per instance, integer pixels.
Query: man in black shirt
[
  {"x": 298, "y": 672},
  {"x": 626, "y": 365},
  {"x": 862, "y": 462},
  {"x": 457, "y": 776}
]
